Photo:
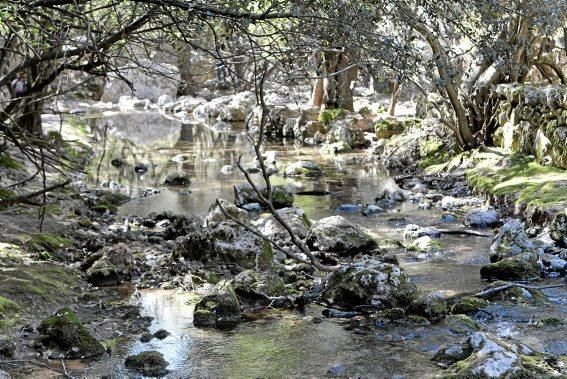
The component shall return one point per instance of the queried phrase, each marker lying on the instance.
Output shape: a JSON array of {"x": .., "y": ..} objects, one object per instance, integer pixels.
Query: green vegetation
[
  {"x": 47, "y": 241},
  {"x": 530, "y": 183},
  {"x": 329, "y": 115},
  {"x": 7, "y": 161},
  {"x": 8, "y": 312}
]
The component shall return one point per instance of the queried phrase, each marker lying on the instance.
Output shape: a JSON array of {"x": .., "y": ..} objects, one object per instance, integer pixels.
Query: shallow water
[{"x": 284, "y": 344}]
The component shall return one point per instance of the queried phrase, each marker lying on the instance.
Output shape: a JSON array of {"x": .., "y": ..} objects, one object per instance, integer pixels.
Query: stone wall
[{"x": 533, "y": 120}]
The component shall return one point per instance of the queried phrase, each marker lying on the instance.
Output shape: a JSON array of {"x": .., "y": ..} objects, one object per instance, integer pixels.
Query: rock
[
  {"x": 467, "y": 304},
  {"x": 391, "y": 191},
  {"x": 424, "y": 244},
  {"x": 7, "y": 346},
  {"x": 117, "y": 162},
  {"x": 141, "y": 168},
  {"x": 116, "y": 264},
  {"x": 511, "y": 241},
  {"x": 216, "y": 216},
  {"x": 389, "y": 127},
  {"x": 337, "y": 370},
  {"x": 335, "y": 148},
  {"x": 371, "y": 209},
  {"x": 282, "y": 196},
  {"x": 558, "y": 229},
  {"x": 431, "y": 306},
  {"x": 294, "y": 217},
  {"x": 161, "y": 334},
  {"x": 177, "y": 179},
  {"x": 148, "y": 363},
  {"x": 448, "y": 217},
  {"x": 413, "y": 231},
  {"x": 370, "y": 282},
  {"x": 553, "y": 263},
  {"x": 446, "y": 356},
  {"x": 348, "y": 208},
  {"x": 347, "y": 131},
  {"x": 251, "y": 285},
  {"x": 219, "y": 309},
  {"x": 64, "y": 331},
  {"x": 146, "y": 337},
  {"x": 303, "y": 168},
  {"x": 336, "y": 234},
  {"x": 520, "y": 267},
  {"x": 480, "y": 218}
]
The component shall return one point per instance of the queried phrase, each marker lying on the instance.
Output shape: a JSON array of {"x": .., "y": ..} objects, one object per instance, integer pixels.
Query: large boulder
[
  {"x": 370, "y": 282},
  {"x": 295, "y": 218},
  {"x": 65, "y": 332},
  {"x": 115, "y": 265},
  {"x": 348, "y": 131},
  {"x": 336, "y": 234},
  {"x": 165, "y": 79},
  {"x": 519, "y": 267},
  {"x": 282, "y": 196},
  {"x": 219, "y": 309}
]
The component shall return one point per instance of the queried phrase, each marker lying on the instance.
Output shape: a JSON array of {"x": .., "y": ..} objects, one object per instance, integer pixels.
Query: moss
[
  {"x": 7, "y": 161},
  {"x": 552, "y": 321},
  {"x": 8, "y": 312},
  {"x": 47, "y": 241},
  {"x": 329, "y": 115},
  {"x": 467, "y": 304},
  {"x": 30, "y": 285},
  {"x": 65, "y": 331},
  {"x": 530, "y": 183},
  {"x": 511, "y": 269}
]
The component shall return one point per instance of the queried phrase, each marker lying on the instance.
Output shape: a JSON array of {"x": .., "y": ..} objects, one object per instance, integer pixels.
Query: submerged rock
[
  {"x": 336, "y": 234},
  {"x": 370, "y": 282},
  {"x": 219, "y": 309},
  {"x": 64, "y": 331},
  {"x": 303, "y": 168},
  {"x": 177, "y": 179},
  {"x": 481, "y": 218},
  {"x": 148, "y": 363}
]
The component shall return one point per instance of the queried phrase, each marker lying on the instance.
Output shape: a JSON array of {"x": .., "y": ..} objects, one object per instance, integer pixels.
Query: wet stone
[{"x": 149, "y": 363}]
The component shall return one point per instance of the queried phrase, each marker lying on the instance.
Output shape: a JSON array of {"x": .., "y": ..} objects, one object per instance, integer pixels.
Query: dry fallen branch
[{"x": 511, "y": 285}]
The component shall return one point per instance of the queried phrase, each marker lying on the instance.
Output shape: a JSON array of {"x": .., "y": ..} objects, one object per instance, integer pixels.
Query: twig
[
  {"x": 510, "y": 285},
  {"x": 25, "y": 198}
]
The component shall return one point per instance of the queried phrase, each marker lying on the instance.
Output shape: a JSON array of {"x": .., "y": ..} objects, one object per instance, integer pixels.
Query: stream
[{"x": 285, "y": 343}]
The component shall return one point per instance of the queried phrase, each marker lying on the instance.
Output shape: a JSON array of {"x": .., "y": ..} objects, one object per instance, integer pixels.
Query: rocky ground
[{"x": 64, "y": 292}]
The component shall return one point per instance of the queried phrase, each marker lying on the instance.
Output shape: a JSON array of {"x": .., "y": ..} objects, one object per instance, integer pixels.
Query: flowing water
[{"x": 283, "y": 343}]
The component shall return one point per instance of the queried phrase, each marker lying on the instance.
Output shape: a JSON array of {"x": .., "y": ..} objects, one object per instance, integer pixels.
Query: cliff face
[{"x": 533, "y": 120}]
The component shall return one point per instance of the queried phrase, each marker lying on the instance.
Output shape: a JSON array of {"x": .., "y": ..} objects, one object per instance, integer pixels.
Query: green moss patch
[
  {"x": 8, "y": 312},
  {"x": 530, "y": 183},
  {"x": 329, "y": 115},
  {"x": 7, "y": 161}
]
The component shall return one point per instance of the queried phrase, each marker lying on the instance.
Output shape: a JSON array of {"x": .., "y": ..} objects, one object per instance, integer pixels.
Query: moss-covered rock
[
  {"x": 148, "y": 363},
  {"x": 511, "y": 241},
  {"x": 337, "y": 235},
  {"x": 115, "y": 265},
  {"x": 327, "y": 116},
  {"x": 370, "y": 282},
  {"x": 388, "y": 127},
  {"x": 252, "y": 286},
  {"x": 303, "y": 168},
  {"x": 519, "y": 267},
  {"x": 282, "y": 196},
  {"x": 466, "y": 305},
  {"x": 64, "y": 331},
  {"x": 335, "y": 148},
  {"x": 432, "y": 306},
  {"x": 223, "y": 304}
]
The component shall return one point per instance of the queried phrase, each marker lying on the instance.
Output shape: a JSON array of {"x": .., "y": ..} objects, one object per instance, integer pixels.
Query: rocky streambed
[{"x": 212, "y": 299}]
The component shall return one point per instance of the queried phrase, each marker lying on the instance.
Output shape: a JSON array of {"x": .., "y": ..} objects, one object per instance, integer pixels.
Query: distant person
[{"x": 20, "y": 84}]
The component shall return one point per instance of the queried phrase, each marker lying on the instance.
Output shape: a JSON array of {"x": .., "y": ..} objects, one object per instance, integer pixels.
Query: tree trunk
[
  {"x": 394, "y": 98},
  {"x": 318, "y": 94}
]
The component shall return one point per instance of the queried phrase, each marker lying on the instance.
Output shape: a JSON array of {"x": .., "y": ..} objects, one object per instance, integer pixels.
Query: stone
[
  {"x": 511, "y": 241},
  {"x": 424, "y": 244},
  {"x": 223, "y": 305},
  {"x": 336, "y": 234},
  {"x": 413, "y": 231},
  {"x": 64, "y": 331},
  {"x": 282, "y": 196},
  {"x": 520, "y": 267},
  {"x": 371, "y": 209},
  {"x": 116, "y": 264},
  {"x": 177, "y": 179},
  {"x": 347, "y": 131},
  {"x": 432, "y": 306},
  {"x": 216, "y": 216},
  {"x": 251, "y": 286},
  {"x": 481, "y": 218},
  {"x": 558, "y": 229},
  {"x": 335, "y": 148},
  {"x": 148, "y": 363},
  {"x": 446, "y": 356},
  {"x": 303, "y": 168},
  {"x": 7, "y": 346},
  {"x": 161, "y": 334},
  {"x": 553, "y": 263},
  {"x": 370, "y": 282},
  {"x": 389, "y": 127}
]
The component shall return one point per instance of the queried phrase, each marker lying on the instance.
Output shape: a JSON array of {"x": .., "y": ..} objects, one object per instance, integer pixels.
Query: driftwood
[
  {"x": 465, "y": 231},
  {"x": 26, "y": 198},
  {"x": 519, "y": 285}
]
